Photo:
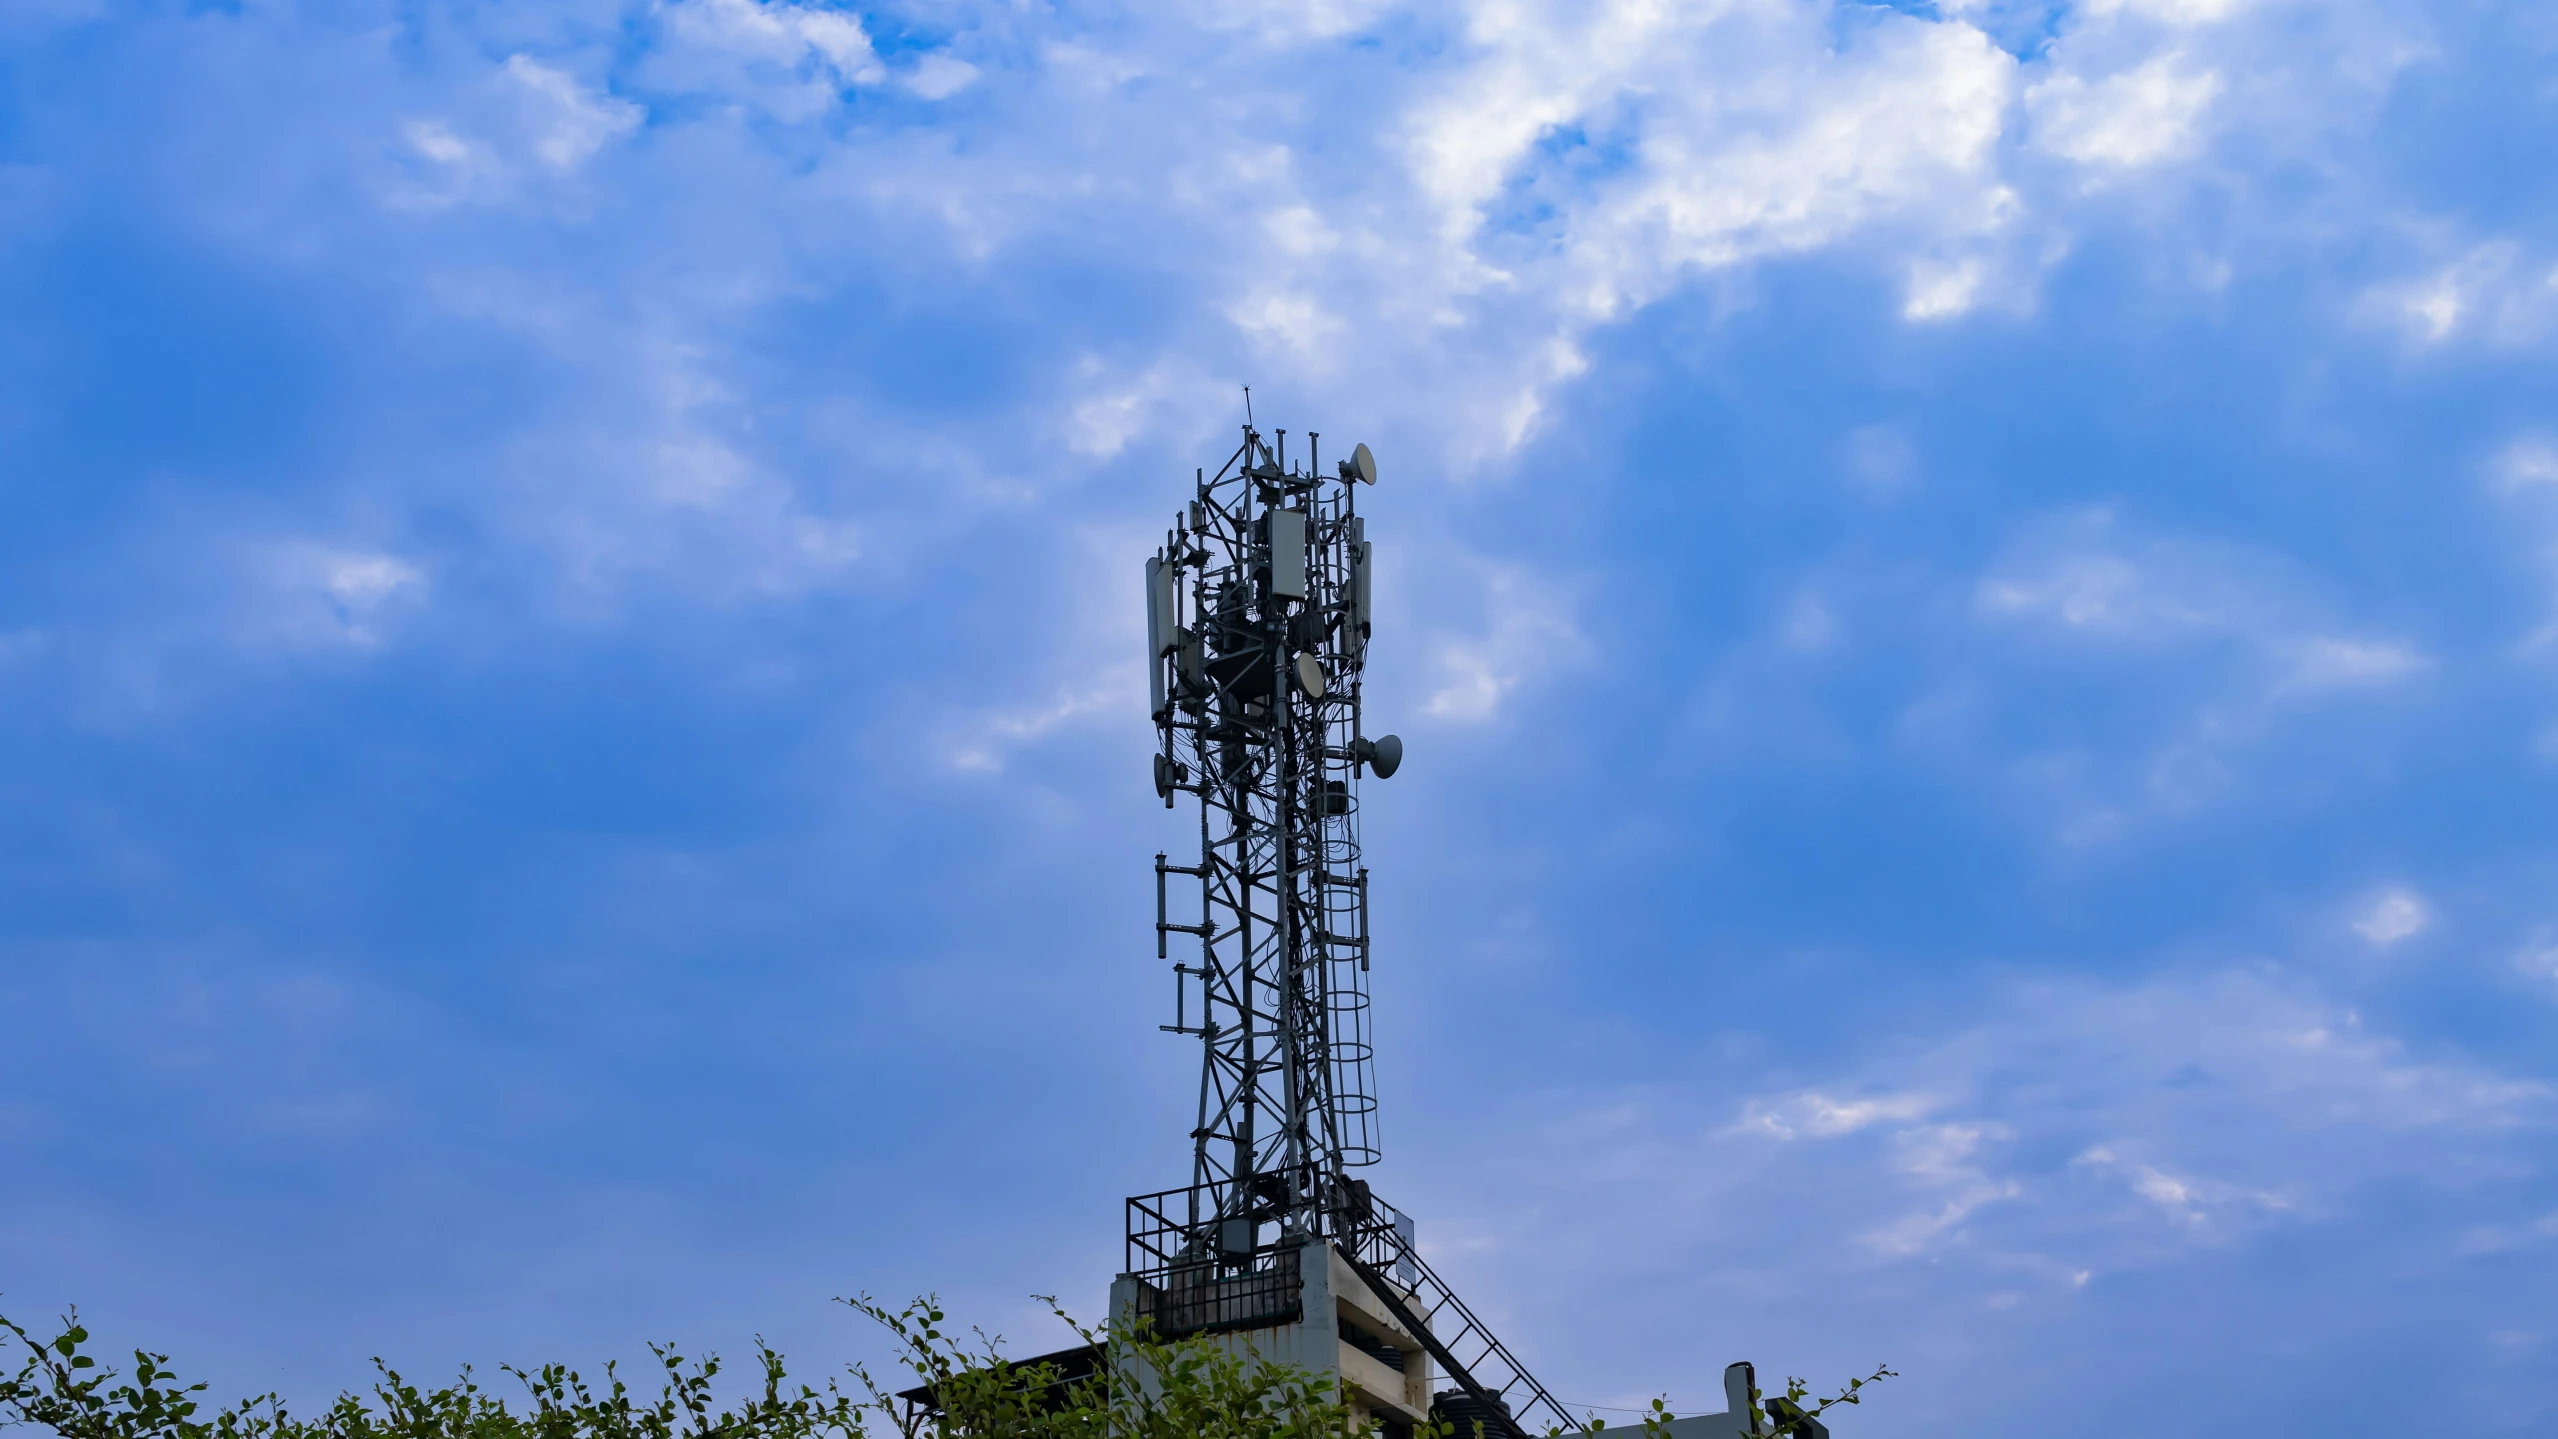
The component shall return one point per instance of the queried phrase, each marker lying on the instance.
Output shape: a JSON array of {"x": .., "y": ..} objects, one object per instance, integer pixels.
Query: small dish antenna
[
  {"x": 1363, "y": 464},
  {"x": 1310, "y": 677},
  {"x": 1383, "y": 755}
]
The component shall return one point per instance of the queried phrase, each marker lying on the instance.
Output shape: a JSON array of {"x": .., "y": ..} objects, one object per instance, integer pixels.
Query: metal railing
[
  {"x": 1193, "y": 1277},
  {"x": 1204, "y": 1299},
  {"x": 1188, "y": 1283}
]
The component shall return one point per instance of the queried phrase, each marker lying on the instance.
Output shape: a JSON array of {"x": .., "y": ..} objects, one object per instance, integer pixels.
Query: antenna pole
[{"x": 1260, "y": 648}]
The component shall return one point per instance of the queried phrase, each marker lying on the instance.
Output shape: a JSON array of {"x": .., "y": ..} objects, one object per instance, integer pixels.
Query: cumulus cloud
[
  {"x": 2140, "y": 117},
  {"x": 1476, "y": 216},
  {"x": 1598, "y": 155}
]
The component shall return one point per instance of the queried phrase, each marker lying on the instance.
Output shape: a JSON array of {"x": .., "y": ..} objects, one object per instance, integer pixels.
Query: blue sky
[{"x": 1973, "y": 591}]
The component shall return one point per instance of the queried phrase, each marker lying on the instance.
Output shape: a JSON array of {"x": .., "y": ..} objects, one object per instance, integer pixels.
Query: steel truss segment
[{"x": 1260, "y": 665}]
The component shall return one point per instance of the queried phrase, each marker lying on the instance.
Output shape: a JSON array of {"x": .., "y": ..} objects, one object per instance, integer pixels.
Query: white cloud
[
  {"x": 1540, "y": 171},
  {"x": 1485, "y": 206},
  {"x": 2066, "y": 1153},
  {"x": 1091, "y": 673},
  {"x": 578, "y": 123},
  {"x": 326, "y": 595},
  {"x": 1725, "y": 166},
  {"x": 2493, "y": 294},
  {"x": 1287, "y": 321},
  {"x": 1941, "y": 1161},
  {"x": 2170, "y": 12},
  {"x": 437, "y": 142},
  {"x": 1820, "y": 1116},
  {"x": 2329, "y": 662},
  {"x": 2183, "y": 1197},
  {"x": 2140, "y": 117},
  {"x": 792, "y": 62},
  {"x": 2070, "y": 1128},
  {"x": 2528, "y": 463},
  {"x": 2097, "y": 593},
  {"x": 1941, "y": 291},
  {"x": 2393, "y": 915},
  {"x": 2080, "y": 577},
  {"x": 1114, "y": 691},
  {"x": 937, "y": 76},
  {"x": 1172, "y": 401},
  {"x": 1527, "y": 629}
]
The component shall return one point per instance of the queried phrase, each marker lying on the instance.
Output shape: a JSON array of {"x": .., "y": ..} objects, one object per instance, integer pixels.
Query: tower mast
[
  {"x": 1258, "y": 623},
  {"x": 1257, "y": 627}
]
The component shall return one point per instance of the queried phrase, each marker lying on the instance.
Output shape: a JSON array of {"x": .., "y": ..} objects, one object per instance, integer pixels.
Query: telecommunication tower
[{"x": 1258, "y": 620}]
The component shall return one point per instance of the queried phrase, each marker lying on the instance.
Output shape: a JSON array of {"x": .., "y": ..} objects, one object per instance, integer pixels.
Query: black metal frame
[{"x": 1287, "y": 1094}]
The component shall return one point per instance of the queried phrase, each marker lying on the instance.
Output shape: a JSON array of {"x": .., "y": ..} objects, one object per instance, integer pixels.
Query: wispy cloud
[
  {"x": 2493, "y": 294},
  {"x": 1526, "y": 629},
  {"x": 2393, "y": 915},
  {"x": 2039, "y": 1119},
  {"x": 2252, "y": 641}
]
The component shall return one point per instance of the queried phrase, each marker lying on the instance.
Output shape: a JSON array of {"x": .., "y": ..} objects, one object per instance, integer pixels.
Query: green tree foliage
[
  {"x": 63, "y": 1389},
  {"x": 1141, "y": 1388},
  {"x": 1136, "y": 1387}
]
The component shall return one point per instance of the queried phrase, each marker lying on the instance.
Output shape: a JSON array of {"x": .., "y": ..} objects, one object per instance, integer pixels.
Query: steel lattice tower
[
  {"x": 1257, "y": 629},
  {"x": 1258, "y": 626},
  {"x": 1257, "y": 623}
]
